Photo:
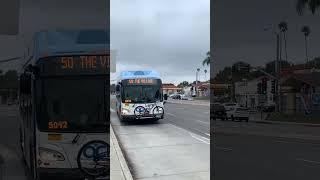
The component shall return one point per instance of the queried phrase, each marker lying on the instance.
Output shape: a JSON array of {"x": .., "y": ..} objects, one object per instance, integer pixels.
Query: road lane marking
[
  {"x": 171, "y": 114},
  {"x": 207, "y": 134},
  {"x": 199, "y": 138},
  {"x": 309, "y": 161},
  {"x": 180, "y": 108},
  {"x": 207, "y": 123}
]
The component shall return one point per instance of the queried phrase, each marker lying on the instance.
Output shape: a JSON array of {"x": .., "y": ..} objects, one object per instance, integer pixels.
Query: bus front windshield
[
  {"x": 141, "y": 93},
  {"x": 72, "y": 105}
]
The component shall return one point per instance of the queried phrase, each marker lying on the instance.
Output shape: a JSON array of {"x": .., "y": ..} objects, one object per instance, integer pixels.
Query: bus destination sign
[
  {"x": 141, "y": 81},
  {"x": 76, "y": 64}
]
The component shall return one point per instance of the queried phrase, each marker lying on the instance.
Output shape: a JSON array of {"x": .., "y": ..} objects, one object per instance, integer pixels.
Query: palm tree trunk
[
  {"x": 280, "y": 46},
  {"x": 306, "y": 46},
  {"x": 285, "y": 45}
]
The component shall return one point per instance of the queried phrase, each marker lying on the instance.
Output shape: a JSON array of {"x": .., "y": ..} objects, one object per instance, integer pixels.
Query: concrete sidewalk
[
  {"x": 189, "y": 102},
  {"x": 119, "y": 169}
]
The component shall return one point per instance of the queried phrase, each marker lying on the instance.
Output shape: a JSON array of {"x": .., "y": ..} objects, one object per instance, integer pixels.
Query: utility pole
[{"x": 277, "y": 72}]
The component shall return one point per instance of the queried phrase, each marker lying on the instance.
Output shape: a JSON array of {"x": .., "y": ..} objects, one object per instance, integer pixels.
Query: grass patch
[{"x": 297, "y": 117}]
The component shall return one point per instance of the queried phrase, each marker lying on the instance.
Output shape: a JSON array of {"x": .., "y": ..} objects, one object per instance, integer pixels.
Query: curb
[
  {"x": 196, "y": 104},
  {"x": 314, "y": 139},
  {"x": 123, "y": 163},
  {"x": 285, "y": 123}
]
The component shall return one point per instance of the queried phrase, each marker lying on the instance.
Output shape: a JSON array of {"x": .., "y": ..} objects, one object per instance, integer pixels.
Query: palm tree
[
  {"x": 206, "y": 61},
  {"x": 313, "y": 5},
  {"x": 205, "y": 74},
  {"x": 283, "y": 26},
  {"x": 306, "y": 32}
]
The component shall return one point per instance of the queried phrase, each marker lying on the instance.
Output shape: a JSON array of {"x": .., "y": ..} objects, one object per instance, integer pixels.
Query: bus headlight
[
  {"x": 125, "y": 111},
  {"x": 50, "y": 155}
]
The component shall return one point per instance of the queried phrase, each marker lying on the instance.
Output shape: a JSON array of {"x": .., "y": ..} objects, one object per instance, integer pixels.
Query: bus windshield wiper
[{"x": 76, "y": 138}]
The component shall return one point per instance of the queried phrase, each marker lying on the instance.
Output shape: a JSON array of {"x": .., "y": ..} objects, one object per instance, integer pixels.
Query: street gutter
[{"x": 285, "y": 123}]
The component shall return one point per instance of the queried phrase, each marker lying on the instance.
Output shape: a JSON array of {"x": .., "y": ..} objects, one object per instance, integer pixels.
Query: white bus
[
  {"x": 139, "y": 95},
  {"x": 64, "y": 105}
]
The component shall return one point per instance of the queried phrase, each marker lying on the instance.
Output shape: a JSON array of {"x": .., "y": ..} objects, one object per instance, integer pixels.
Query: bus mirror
[
  {"x": 117, "y": 88},
  {"x": 25, "y": 83}
]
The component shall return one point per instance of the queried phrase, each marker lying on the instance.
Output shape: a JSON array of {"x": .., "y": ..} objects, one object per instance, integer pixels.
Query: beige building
[{"x": 169, "y": 88}]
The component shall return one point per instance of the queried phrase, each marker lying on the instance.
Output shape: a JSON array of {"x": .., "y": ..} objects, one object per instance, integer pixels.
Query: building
[
  {"x": 169, "y": 88},
  {"x": 300, "y": 93},
  {"x": 256, "y": 92},
  {"x": 220, "y": 89}
]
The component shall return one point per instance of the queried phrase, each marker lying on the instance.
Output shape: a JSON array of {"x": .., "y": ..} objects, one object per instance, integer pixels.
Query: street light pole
[{"x": 277, "y": 67}]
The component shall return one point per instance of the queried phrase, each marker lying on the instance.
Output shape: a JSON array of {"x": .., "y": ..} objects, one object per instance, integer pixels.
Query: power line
[{"x": 10, "y": 59}]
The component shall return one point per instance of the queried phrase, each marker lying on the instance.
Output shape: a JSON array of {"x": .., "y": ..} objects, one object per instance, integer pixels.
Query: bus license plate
[{"x": 54, "y": 137}]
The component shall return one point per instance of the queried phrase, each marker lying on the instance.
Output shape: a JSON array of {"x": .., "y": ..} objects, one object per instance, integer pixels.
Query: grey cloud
[{"x": 171, "y": 36}]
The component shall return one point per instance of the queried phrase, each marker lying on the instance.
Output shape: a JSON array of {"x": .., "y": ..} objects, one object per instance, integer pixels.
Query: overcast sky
[
  {"x": 239, "y": 35},
  {"x": 171, "y": 37},
  {"x": 36, "y": 15}
]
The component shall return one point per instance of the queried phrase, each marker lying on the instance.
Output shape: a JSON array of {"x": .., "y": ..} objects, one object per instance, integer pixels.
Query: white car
[
  {"x": 238, "y": 113},
  {"x": 229, "y": 106},
  {"x": 184, "y": 97}
]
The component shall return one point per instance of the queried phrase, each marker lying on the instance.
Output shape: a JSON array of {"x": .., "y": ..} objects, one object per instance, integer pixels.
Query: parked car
[
  {"x": 239, "y": 113},
  {"x": 184, "y": 97},
  {"x": 269, "y": 108},
  {"x": 171, "y": 95},
  {"x": 176, "y": 96},
  {"x": 230, "y": 105},
  {"x": 218, "y": 111}
]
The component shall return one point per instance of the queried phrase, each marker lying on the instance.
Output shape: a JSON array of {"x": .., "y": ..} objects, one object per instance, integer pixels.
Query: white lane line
[
  {"x": 207, "y": 134},
  {"x": 207, "y": 123},
  {"x": 180, "y": 108},
  {"x": 112, "y": 110},
  {"x": 198, "y": 137},
  {"x": 309, "y": 161},
  {"x": 171, "y": 114}
]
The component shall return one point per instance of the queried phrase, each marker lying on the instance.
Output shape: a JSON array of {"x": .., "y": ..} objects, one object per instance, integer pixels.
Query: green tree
[
  {"x": 312, "y": 5},
  {"x": 183, "y": 84},
  {"x": 207, "y": 60},
  {"x": 270, "y": 66}
]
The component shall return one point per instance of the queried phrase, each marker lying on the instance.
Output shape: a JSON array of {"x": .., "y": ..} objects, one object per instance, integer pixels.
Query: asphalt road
[{"x": 264, "y": 151}]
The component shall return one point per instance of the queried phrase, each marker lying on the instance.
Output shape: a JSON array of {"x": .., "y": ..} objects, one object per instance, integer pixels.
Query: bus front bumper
[{"x": 151, "y": 116}]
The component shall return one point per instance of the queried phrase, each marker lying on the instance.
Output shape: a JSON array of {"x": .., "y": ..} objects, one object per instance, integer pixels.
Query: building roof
[
  {"x": 169, "y": 86},
  {"x": 308, "y": 78}
]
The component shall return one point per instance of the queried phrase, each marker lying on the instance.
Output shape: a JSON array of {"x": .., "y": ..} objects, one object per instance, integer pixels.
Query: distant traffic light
[
  {"x": 273, "y": 86},
  {"x": 264, "y": 86},
  {"x": 259, "y": 88}
]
